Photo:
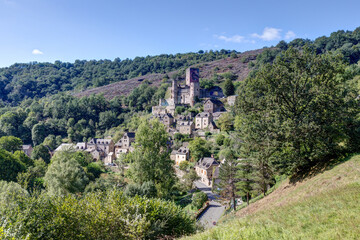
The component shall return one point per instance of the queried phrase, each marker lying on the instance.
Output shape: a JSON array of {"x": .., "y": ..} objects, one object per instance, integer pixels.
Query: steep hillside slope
[
  {"x": 325, "y": 206},
  {"x": 238, "y": 65}
]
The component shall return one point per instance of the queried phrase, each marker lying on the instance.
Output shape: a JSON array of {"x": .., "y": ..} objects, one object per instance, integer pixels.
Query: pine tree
[
  {"x": 229, "y": 88},
  {"x": 227, "y": 175}
]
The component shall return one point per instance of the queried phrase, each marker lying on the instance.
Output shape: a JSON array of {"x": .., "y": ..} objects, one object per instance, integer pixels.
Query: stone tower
[
  {"x": 192, "y": 80},
  {"x": 174, "y": 92}
]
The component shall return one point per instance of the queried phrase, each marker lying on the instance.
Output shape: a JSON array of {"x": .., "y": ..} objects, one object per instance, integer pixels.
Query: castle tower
[
  {"x": 192, "y": 80},
  {"x": 174, "y": 92}
]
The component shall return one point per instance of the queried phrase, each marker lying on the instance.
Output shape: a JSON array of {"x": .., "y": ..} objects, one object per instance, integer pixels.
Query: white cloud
[
  {"x": 234, "y": 39},
  {"x": 268, "y": 34},
  {"x": 37, "y": 52},
  {"x": 290, "y": 35}
]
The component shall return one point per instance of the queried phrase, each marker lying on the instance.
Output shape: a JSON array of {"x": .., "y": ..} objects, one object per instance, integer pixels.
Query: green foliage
[
  {"x": 189, "y": 178},
  {"x": 147, "y": 189},
  {"x": 198, "y": 149},
  {"x": 41, "y": 152},
  {"x": 228, "y": 175},
  {"x": 65, "y": 175},
  {"x": 184, "y": 165},
  {"x": 198, "y": 199},
  {"x": 297, "y": 112},
  {"x": 109, "y": 215},
  {"x": 10, "y": 193},
  {"x": 207, "y": 83},
  {"x": 225, "y": 122},
  {"x": 22, "y": 157},
  {"x": 220, "y": 139},
  {"x": 10, "y": 166},
  {"x": 32, "y": 179},
  {"x": 151, "y": 159},
  {"x": 94, "y": 170},
  {"x": 229, "y": 88},
  {"x": 10, "y": 143},
  {"x": 179, "y": 109}
]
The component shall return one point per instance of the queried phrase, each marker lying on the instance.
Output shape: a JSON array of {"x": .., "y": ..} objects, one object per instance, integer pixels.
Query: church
[{"x": 187, "y": 94}]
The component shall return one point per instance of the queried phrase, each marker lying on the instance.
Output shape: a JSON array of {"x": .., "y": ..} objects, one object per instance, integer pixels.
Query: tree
[
  {"x": 220, "y": 139},
  {"x": 32, "y": 179},
  {"x": 198, "y": 199},
  {"x": 22, "y": 157},
  {"x": 198, "y": 149},
  {"x": 9, "y": 166},
  {"x": 225, "y": 122},
  {"x": 245, "y": 179},
  {"x": 300, "y": 102},
  {"x": 190, "y": 177},
  {"x": 184, "y": 165},
  {"x": 10, "y": 143},
  {"x": 38, "y": 133},
  {"x": 227, "y": 175},
  {"x": 65, "y": 175},
  {"x": 151, "y": 159},
  {"x": 41, "y": 152},
  {"x": 229, "y": 88},
  {"x": 10, "y": 192}
]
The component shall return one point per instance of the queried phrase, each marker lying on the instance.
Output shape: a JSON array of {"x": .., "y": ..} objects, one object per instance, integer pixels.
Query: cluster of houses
[
  {"x": 103, "y": 149},
  {"x": 190, "y": 124}
]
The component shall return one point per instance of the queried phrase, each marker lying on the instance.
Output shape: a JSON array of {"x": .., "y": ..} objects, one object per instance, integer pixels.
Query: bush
[
  {"x": 184, "y": 165},
  {"x": 199, "y": 199},
  {"x": 109, "y": 215},
  {"x": 220, "y": 139},
  {"x": 147, "y": 189}
]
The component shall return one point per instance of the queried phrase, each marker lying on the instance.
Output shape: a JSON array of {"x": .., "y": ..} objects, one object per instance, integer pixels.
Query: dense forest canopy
[{"x": 29, "y": 80}]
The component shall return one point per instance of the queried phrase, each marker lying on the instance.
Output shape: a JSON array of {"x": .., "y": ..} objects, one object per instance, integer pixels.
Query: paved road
[{"x": 214, "y": 211}]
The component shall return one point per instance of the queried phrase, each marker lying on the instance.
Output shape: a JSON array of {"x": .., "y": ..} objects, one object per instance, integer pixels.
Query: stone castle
[{"x": 187, "y": 94}]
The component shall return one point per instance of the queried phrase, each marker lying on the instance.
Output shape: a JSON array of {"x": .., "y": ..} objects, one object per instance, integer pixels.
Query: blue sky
[{"x": 66, "y": 30}]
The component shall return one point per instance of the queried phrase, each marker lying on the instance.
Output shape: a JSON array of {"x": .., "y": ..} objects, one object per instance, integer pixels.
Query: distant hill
[
  {"x": 237, "y": 65},
  {"x": 30, "y": 80},
  {"x": 323, "y": 206}
]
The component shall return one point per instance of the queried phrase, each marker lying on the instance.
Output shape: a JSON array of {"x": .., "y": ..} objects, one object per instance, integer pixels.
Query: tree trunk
[{"x": 247, "y": 198}]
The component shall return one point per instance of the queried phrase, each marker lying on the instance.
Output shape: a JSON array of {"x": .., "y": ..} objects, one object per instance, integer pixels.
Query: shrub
[
  {"x": 199, "y": 199},
  {"x": 109, "y": 215}
]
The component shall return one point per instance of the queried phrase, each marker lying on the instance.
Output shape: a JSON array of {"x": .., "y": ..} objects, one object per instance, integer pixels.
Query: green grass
[{"x": 325, "y": 206}]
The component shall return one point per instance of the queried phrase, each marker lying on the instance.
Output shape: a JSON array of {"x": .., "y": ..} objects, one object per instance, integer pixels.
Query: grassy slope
[{"x": 325, "y": 206}]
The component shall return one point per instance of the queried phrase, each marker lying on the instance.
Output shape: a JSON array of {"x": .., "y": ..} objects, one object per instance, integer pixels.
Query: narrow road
[{"x": 214, "y": 212}]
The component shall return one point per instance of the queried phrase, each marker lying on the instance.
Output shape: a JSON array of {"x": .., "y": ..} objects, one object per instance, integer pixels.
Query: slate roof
[
  {"x": 203, "y": 114},
  {"x": 207, "y": 162}
]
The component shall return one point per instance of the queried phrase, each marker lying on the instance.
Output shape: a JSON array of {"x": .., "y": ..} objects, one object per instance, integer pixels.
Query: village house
[
  {"x": 206, "y": 169},
  {"x": 182, "y": 154},
  {"x": 231, "y": 100},
  {"x": 166, "y": 119},
  {"x": 203, "y": 120},
  {"x": 27, "y": 149},
  {"x": 217, "y": 115},
  {"x": 81, "y": 146},
  {"x": 106, "y": 145},
  {"x": 185, "y": 127},
  {"x": 124, "y": 143},
  {"x": 213, "y": 105},
  {"x": 65, "y": 147}
]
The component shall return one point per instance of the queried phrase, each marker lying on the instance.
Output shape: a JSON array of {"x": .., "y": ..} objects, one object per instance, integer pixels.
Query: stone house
[
  {"x": 182, "y": 154},
  {"x": 213, "y": 105},
  {"x": 185, "y": 127},
  {"x": 206, "y": 169},
  {"x": 81, "y": 146},
  {"x": 231, "y": 100},
  {"x": 124, "y": 143},
  {"x": 166, "y": 119},
  {"x": 202, "y": 120},
  {"x": 27, "y": 149},
  {"x": 217, "y": 115},
  {"x": 106, "y": 145},
  {"x": 65, "y": 147}
]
